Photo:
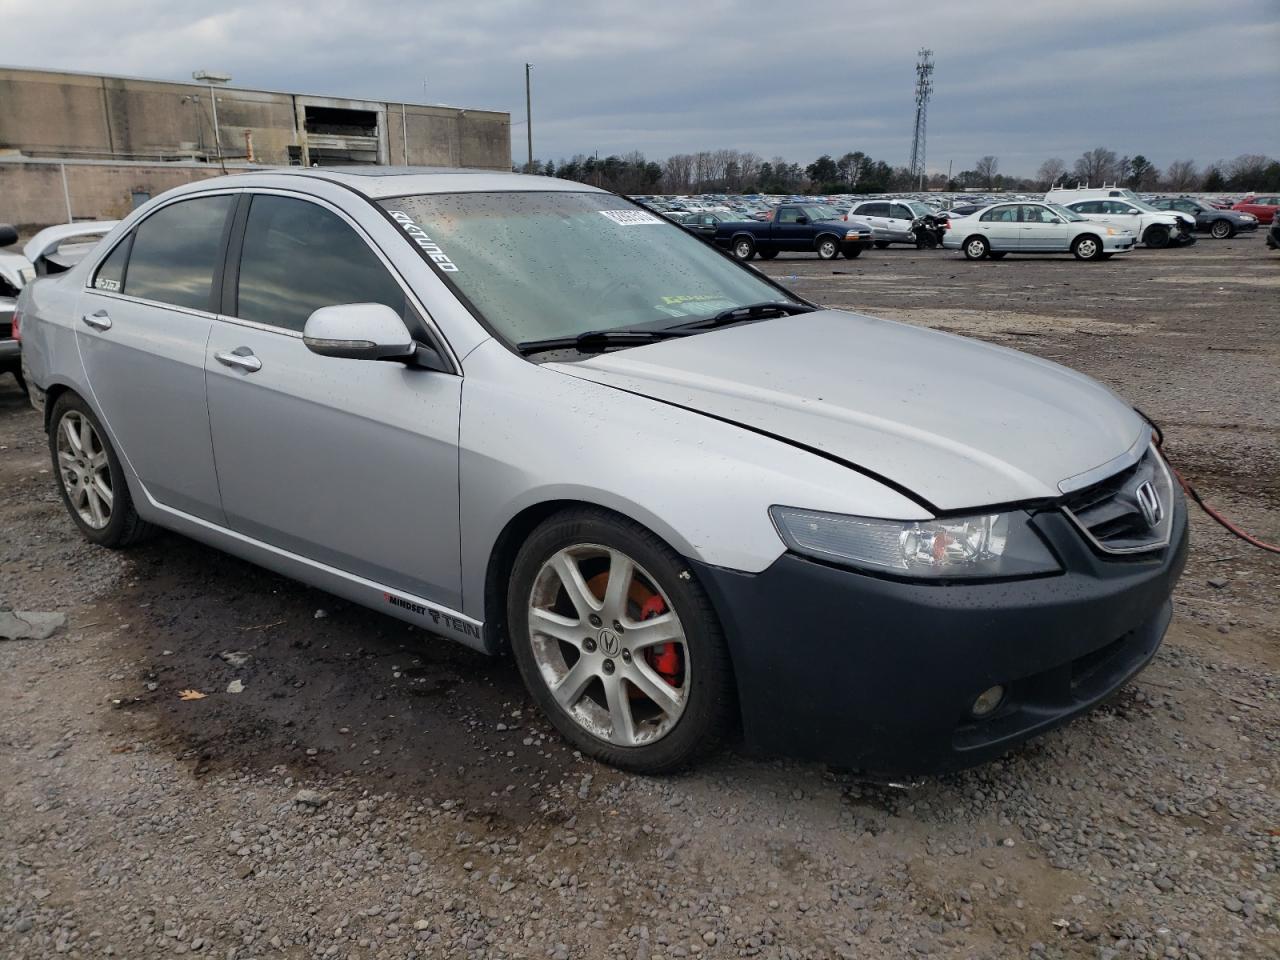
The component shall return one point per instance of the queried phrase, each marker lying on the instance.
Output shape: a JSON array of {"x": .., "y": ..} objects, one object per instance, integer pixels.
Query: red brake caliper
[{"x": 663, "y": 657}]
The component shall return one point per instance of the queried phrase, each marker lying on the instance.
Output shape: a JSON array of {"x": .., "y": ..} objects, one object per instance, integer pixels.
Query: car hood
[{"x": 957, "y": 422}]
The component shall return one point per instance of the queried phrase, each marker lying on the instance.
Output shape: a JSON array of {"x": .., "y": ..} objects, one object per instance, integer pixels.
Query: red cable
[{"x": 1191, "y": 492}]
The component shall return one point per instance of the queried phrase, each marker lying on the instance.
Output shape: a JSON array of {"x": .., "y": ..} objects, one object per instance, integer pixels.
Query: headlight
[{"x": 983, "y": 545}]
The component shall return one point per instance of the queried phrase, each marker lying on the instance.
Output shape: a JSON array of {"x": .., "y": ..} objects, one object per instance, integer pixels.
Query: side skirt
[{"x": 376, "y": 596}]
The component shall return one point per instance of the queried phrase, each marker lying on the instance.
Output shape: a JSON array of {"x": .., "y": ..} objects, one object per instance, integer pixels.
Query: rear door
[
  {"x": 144, "y": 323},
  {"x": 1001, "y": 227},
  {"x": 351, "y": 463},
  {"x": 876, "y": 214}
]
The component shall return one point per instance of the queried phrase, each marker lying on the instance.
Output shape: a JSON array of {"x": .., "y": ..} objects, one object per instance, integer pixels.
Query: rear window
[{"x": 175, "y": 253}]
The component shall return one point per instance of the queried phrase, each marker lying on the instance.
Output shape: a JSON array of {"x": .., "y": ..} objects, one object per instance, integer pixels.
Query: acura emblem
[{"x": 1149, "y": 503}]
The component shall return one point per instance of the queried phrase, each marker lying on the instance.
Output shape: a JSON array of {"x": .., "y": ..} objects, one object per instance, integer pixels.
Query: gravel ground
[{"x": 375, "y": 792}]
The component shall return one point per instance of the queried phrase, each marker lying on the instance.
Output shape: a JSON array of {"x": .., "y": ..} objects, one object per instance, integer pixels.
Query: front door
[
  {"x": 142, "y": 330},
  {"x": 791, "y": 230},
  {"x": 1001, "y": 227},
  {"x": 1043, "y": 231},
  {"x": 351, "y": 463}
]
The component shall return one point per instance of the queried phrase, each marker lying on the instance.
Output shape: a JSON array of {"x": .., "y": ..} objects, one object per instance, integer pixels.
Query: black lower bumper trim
[{"x": 881, "y": 675}]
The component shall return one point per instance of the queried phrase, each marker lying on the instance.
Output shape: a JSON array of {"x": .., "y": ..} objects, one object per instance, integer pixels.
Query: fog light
[{"x": 987, "y": 701}]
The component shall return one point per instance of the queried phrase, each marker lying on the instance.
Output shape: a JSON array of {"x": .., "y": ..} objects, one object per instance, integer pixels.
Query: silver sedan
[
  {"x": 536, "y": 418},
  {"x": 1005, "y": 228}
]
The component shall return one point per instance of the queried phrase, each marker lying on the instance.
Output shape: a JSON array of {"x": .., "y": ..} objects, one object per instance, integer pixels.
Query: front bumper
[
  {"x": 879, "y": 675},
  {"x": 1118, "y": 243}
]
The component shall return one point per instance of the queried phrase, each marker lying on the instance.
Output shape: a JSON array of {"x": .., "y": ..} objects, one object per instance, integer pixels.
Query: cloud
[{"x": 1024, "y": 81}]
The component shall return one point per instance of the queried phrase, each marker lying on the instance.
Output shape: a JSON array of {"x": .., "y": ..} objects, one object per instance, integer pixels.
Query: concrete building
[{"x": 153, "y": 134}]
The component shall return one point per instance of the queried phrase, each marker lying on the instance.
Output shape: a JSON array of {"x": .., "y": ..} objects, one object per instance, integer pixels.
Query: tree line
[{"x": 739, "y": 171}]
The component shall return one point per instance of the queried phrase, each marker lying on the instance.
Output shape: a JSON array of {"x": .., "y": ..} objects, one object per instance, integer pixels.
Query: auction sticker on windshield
[{"x": 630, "y": 218}]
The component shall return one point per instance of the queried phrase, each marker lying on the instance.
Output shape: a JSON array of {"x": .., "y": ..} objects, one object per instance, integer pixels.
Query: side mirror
[
  {"x": 358, "y": 331},
  {"x": 8, "y": 235}
]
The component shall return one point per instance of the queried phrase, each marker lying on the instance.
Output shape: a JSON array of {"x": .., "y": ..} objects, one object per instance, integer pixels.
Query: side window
[
  {"x": 175, "y": 252},
  {"x": 874, "y": 209},
  {"x": 1034, "y": 213},
  {"x": 110, "y": 275},
  {"x": 1000, "y": 215},
  {"x": 788, "y": 214},
  {"x": 1088, "y": 206},
  {"x": 299, "y": 257},
  {"x": 901, "y": 211}
]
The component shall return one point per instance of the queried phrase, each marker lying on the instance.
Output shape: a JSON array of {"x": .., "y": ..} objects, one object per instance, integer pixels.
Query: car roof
[{"x": 378, "y": 182}]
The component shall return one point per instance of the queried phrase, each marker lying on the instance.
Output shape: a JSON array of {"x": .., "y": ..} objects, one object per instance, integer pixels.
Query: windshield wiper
[
  {"x": 750, "y": 311},
  {"x": 597, "y": 341}
]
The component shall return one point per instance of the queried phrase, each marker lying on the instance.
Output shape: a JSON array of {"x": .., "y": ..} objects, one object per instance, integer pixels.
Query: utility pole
[{"x": 528, "y": 116}]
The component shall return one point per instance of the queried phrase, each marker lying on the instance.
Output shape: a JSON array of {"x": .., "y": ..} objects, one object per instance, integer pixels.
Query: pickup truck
[{"x": 795, "y": 227}]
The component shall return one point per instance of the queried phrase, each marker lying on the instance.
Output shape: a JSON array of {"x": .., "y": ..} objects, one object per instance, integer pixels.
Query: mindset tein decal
[
  {"x": 630, "y": 218},
  {"x": 429, "y": 246}
]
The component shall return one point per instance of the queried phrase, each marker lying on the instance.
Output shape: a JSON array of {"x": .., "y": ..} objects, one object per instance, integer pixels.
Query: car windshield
[
  {"x": 1070, "y": 215},
  {"x": 543, "y": 265},
  {"x": 1143, "y": 205}
]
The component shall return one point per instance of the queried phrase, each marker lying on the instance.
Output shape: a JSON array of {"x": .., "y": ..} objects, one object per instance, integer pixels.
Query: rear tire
[
  {"x": 582, "y": 672},
  {"x": 1222, "y": 230},
  {"x": 1087, "y": 247},
  {"x": 976, "y": 248},
  {"x": 90, "y": 478},
  {"x": 744, "y": 248},
  {"x": 828, "y": 248}
]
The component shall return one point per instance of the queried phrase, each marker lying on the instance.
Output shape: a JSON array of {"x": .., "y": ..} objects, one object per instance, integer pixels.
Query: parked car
[
  {"x": 679, "y": 495},
  {"x": 1219, "y": 224},
  {"x": 50, "y": 251},
  {"x": 1264, "y": 208},
  {"x": 704, "y": 225},
  {"x": 1034, "y": 228},
  {"x": 891, "y": 221},
  {"x": 799, "y": 227},
  {"x": 1155, "y": 228},
  {"x": 15, "y": 273}
]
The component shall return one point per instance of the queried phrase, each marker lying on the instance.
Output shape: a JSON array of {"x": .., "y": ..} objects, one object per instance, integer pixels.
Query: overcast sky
[{"x": 1023, "y": 80}]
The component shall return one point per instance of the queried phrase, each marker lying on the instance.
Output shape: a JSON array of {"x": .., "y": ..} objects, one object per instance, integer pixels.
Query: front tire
[
  {"x": 618, "y": 644},
  {"x": 1087, "y": 247},
  {"x": 976, "y": 248},
  {"x": 90, "y": 478},
  {"x": 828, "y": 248},
  {"x": 1156, "y": 237},
  {"x": 744, "y": 248},
  {"x": 1222, "y": 230}
]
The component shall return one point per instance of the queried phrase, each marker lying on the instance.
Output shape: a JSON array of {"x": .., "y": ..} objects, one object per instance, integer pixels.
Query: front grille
[{"x": 1111, "y": 513}]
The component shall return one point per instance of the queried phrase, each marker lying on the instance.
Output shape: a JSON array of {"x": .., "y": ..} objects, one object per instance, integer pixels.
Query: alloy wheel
[
  {"x": 609, "y": 645},
  {"x": 1087, "y": 248},
  {"x": 1221, "y": 229},
  {"x": 86, "y": 471},
  {"x": 743, "y": 250}
]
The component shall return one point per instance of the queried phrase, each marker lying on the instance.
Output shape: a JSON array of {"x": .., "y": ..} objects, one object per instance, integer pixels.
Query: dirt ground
[{"x": 374, "y": 791}]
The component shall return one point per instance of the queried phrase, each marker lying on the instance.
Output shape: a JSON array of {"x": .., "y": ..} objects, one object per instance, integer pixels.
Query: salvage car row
[{"x": 1092, "y": 224}]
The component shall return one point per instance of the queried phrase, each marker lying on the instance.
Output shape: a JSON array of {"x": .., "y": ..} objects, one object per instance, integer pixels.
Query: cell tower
[{"x": 924, "y": 89}]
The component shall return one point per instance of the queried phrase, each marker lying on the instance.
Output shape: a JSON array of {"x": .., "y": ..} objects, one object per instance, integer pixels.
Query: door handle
[
  {"x": 244, "y": 361},
  {"x": 98, "y": 320}
]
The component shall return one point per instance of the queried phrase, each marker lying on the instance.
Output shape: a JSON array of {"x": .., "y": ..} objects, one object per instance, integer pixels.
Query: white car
[
  {"x": 890, "y": 220},
  {"x": 1124, "y": 208},
  {"x": 1034, "y": 228}
]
